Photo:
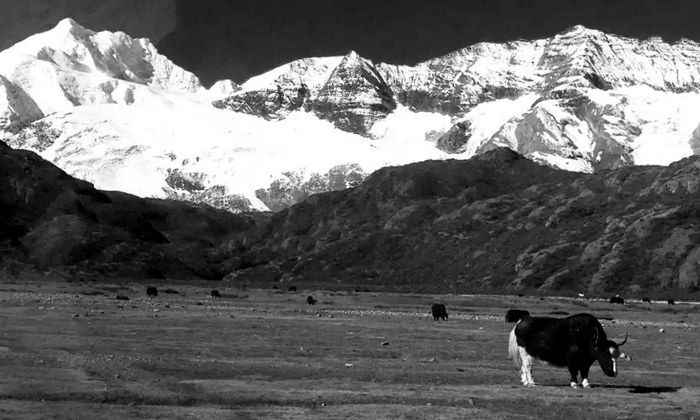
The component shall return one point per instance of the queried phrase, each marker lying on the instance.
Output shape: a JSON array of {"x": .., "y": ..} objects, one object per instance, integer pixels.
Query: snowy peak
[
  {"x": 586, "y": 57},
  {"x": 313, "y": 72},
  {"x": 355, "y": 96},
  {"x": 109, "y": 109},
  {"x": 70, "y": 65},
  {"x": 348, "y": 91},
  {"x": 580, "y": 32},
  {"x": 113, "y": 54},
  {"x": 69, "y": 27}
]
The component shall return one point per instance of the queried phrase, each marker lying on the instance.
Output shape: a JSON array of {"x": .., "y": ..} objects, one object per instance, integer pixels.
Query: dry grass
[{"x": 267, "y": 354}]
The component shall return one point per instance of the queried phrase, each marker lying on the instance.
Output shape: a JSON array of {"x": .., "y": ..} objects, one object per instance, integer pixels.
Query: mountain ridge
[
  {"x": 496, "y": 222},
  {"x": 566, "y": 101}
]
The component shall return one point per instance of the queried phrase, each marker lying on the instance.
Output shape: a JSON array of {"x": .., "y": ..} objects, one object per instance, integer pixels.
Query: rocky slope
[
  {"x": 495, "y": 222},
  {"x": 52, "y": 221}
]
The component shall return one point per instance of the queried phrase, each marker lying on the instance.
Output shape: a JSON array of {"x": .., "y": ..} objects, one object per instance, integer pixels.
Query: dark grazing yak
[
  {"x": 152, "y": 291},
  {"x": 617, "y": 299},
  {"x": 439, "y": 311},
  {"x": 515, "y": 315},
  {"x": 574, "y": 342}
]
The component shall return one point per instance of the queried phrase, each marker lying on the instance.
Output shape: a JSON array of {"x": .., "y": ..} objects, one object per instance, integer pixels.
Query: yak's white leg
[
  {"x": 526, "y": 369},
  {"x": 585, "y": 383},
  {"x": 575, "y": 384}
]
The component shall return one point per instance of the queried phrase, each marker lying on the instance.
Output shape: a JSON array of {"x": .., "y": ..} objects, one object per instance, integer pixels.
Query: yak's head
[{"x": 607, "y": 352}]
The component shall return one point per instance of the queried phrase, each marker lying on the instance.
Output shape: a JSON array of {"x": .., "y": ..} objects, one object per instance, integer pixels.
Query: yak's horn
[{"x": 623, "y": 341}]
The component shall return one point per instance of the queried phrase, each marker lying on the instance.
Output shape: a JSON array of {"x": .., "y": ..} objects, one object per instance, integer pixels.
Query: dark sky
[{"x": 238, "y": 39}]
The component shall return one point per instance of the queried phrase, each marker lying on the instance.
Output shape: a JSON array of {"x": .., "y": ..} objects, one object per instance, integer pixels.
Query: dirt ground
[{"x": 67, "y": 351}]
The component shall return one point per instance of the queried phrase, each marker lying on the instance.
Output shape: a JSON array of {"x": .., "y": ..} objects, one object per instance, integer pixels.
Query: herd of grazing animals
[{"x": 574, "y": 342}]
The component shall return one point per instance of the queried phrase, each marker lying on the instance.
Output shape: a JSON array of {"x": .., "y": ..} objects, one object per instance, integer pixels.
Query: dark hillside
[
  {"x": 497, "y": 222},
  {"x": 52, "y": 220}
]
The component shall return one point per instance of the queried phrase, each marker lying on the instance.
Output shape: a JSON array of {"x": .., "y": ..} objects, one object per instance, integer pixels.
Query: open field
[{"x": 267, "y": 354}]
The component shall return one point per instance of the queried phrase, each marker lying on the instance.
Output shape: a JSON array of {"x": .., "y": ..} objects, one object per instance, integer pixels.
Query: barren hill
[{"x": 495, "y": 222}]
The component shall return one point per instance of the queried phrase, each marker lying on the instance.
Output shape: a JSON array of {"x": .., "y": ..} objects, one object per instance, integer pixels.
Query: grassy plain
[{"x": 66, "y": 351}]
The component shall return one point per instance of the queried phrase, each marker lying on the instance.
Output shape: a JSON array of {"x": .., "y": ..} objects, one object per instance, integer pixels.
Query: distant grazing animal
[
  {"x": 292, "y": 289},
  {"x": 559, "y": 313},
  {"x": 171, "y": 291},
  {"x": 671, "y": 302},
  {"x": 575, "y": 342},
  {"x": 215, "y": 293},
  {"x": 310, "y": 300},
  {"x": 122, "y": 297},
  {"x": 617, "y": 299},
  {"x": 152, "y": 291},
  {"x": 439, "y": 312},
  {"x": 275, "y": 287},
  {"x": 646, "y": 300},
  {"x": 515, "y": 315}
]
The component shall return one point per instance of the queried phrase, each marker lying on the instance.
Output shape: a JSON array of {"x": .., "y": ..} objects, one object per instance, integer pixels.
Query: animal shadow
[
  {"x": 654, "y": 389},
  {"x": 641, "y": 389},
  {"x": 634, "y": 389}
]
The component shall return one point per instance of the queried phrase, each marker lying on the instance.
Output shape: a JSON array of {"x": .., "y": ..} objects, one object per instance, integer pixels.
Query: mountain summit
[
  {"x": 110, "y": 109},
  {"x": 70, "y": 66}
]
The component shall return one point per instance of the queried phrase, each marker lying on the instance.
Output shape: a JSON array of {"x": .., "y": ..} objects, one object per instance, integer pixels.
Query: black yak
[
  {"x": 617, "y": 299},
  {"x": 151, "y": 291},
  {"x": 646, "y": 300},
  {"x": 310, "y": 300},
  {"x": 515, "y": 315},
  {"x": 215, "y": 293},
  {"x": 574, "y": 342},
  {"x": 439, "y": 312},
  {"x": 671, "y": 302}
]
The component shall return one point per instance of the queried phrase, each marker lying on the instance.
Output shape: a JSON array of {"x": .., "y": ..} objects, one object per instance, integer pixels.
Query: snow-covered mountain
[
  {"x": 110, "y": 109},
  {"x": 581, "y": 100}
]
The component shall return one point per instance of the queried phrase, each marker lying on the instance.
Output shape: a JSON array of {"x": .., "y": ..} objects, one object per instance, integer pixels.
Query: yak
[
  {"x": 574, "y": 342},
  {"x": 671, "y": 302},
  {"x": 310, "y": 300},
  {"x": 151, "y": 291},
  {"x": 215, "y": 293},
  {"x": 617, "y": 299},
  {"x": 646, "y": 300},
  {"x": 439, "y": 312},
  {"x": 515, "y": 315}
]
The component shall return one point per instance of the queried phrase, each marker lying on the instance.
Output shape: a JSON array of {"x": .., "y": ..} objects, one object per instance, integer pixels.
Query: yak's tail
[{"x": 513, "y": 349}]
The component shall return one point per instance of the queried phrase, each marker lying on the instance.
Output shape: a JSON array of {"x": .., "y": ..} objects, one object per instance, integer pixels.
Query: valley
[{"x": 71, "y": 350}]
